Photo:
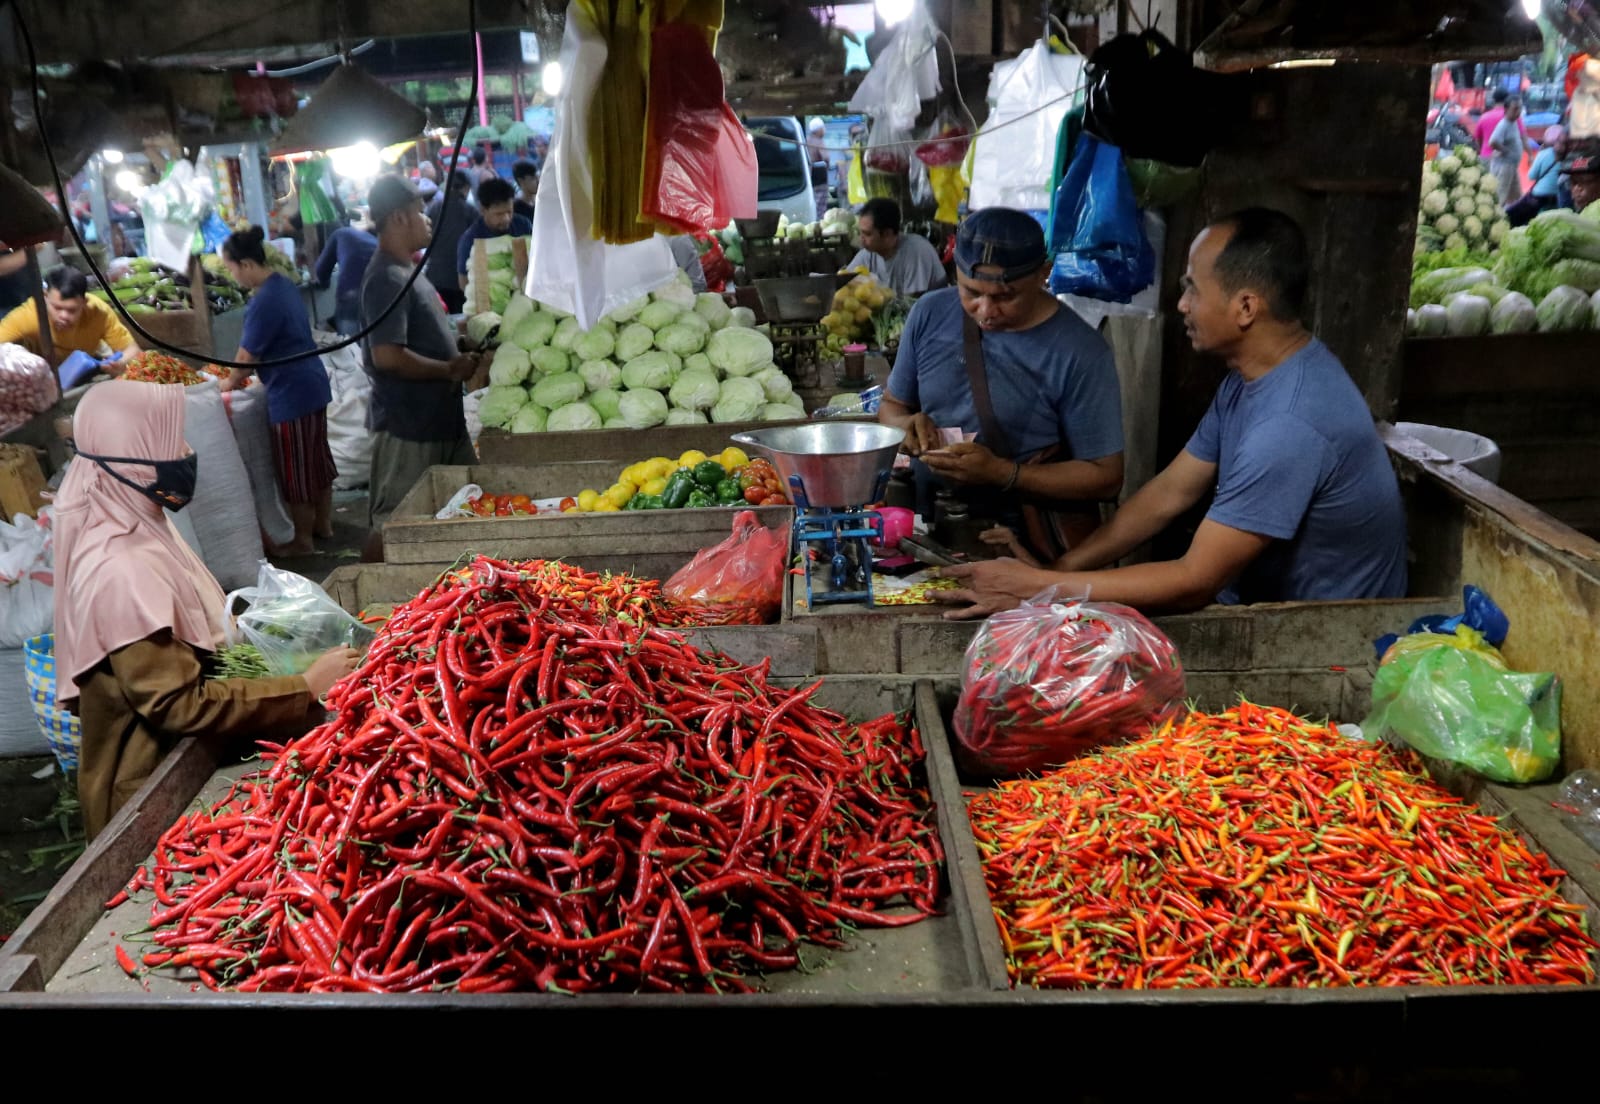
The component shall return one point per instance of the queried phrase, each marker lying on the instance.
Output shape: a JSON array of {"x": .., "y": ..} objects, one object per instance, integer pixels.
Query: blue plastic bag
[
  {"x": 213, "y": 232},
  {"x": 1478, "y": 612},
  {"x": 1097, "y": 234}
]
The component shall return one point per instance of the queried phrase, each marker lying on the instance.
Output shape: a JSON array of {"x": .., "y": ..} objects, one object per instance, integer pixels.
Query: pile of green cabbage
[
  {"x": 671, "y": 358},
  {"x": 1459, "y": 207}
]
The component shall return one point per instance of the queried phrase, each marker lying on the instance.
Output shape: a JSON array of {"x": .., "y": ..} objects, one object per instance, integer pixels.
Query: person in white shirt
[{"x": 908, "y": 263}]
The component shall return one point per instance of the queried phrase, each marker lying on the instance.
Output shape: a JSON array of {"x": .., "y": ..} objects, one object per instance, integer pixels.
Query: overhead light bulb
[
  {"x": 111, "y": 156},
  {"x": 130, "y": 181},
  {"x": 357, "y": 162},
  {"x": 551, "y": 79},
  {"x": 893, "y": 12},
  {"x": 1531, "y": 8}
]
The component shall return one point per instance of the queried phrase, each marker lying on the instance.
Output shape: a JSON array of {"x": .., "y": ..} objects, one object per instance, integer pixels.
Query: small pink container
[{"x": 897, "y": 522}]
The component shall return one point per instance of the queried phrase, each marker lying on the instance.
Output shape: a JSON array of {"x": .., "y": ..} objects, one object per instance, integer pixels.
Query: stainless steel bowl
[{"x": 838, "y": 463}]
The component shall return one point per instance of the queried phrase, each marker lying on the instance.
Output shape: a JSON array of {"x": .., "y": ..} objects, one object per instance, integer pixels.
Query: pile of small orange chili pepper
[
  {"x": 529, "y": 786},
  {"x": 1255, "y": 848}
]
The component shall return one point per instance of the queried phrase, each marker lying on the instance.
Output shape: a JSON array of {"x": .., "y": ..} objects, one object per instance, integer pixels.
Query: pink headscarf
[{"x": 122, "y": 571}]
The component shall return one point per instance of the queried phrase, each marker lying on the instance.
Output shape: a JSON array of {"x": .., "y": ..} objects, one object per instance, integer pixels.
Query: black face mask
[{"x": 174, "y": 483}]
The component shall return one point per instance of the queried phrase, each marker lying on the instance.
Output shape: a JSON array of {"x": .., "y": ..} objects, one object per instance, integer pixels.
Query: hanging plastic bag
[
  {"x": 291, "y": 621},
  {"x": 1459, "y": 705},
  {"x": 738, "y": 172},
  {"x": 943, "y": 152},
  {"x": 685, "y": 134},
  {"x": 172, "y": 210},
  {"x": 27, "y": 386},
  {"x": 569, "y": 270},
  {"x": 736, "y": 582},
  {"x": 1099, "y": 241},
  {"x": 1135, "y": 80},
  {"x": 904, "y": 76},
  {"x": 857, "y": 185},
  {"x": 1028, "y": 97},
  {"x": 1050, "y": 680}
]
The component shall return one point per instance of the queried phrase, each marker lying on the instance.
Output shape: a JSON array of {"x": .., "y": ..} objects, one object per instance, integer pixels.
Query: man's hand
[
  {"x": 992, "y": 586},
  {"x": 1005, "y": 539},
  {"x": 921, "y": 435},
  {"x": 462, "y": 368},
  {"x": 969, "y": 463}
]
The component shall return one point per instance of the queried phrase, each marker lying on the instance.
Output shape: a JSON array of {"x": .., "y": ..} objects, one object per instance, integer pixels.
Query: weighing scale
[{"x": 834, "y": 471}]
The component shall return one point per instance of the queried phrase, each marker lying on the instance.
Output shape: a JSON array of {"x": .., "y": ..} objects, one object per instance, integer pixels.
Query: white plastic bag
[
  {"x": 222, "y": 511},
  {"x": 27, "y": 591},
  {"x": 905, "y": 74},
  {"x": 27, "y": 386},
  {"x": 457, "y": 506},
  {"x": 252, "y": 432},
  {"x": 1014, "y": 155},
  {"x": 291, "y": 621},
  {"x": 172, "y": 211},
  {"x": 569, "y": 270},
  {"x": 469, "y": 407},
  {"x": 348, "y": 437}
]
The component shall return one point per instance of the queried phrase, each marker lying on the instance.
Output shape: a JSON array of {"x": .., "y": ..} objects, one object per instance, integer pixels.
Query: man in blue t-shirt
[
  {"x": 497, "y": 218},
  {"x": 1306, "y": 504},
  {"x": 1054, "y": 420},
  {"x": 350, "y": 250}
]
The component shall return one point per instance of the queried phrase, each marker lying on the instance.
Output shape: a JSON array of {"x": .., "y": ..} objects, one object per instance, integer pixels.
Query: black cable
[{"x": 128, "y": 318}]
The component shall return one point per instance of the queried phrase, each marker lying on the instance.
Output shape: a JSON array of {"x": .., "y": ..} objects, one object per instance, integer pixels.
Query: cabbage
[
  {"x": 574, "y": 416},
  {"x": 1564, "y": 309},
  {"x": 643, "y": 409},
  {"x": 607, "y": 403},
  {"x": 634, "y": 340},
  {"x": 510, "y": 365},
  {"x": 1432, "y": 321},
  {"x": 711, "y": 306},
  {"x": 695, "y": 391},
  {"x": 698, "y": 362},
  {"x": 679, "y": 292},
  {"x": 774, "y": 383},
  {"x": 680, "y": 339},
  {"x": 483, "y": 328},
  {"x": 558, "y": 390},
  {"x": 517, "y": 311},
  {"x": 696, "y": 323},
  {"x": 739, "y": 352},
  {"x": 1434, "y": 202},
  {"x": 594, "y": 345},
  {"x": 530, "y": 419},
  {"x": 674, "y": 364},
  {"x": 652, "y": 371},
  {"x": 566, "y": 335},
  {"x": 742, "y": 317},
  {"x": 616, "y": 423},
  {"x": 500, "y": 404},
  {"x": 600, "y": 375},
  {"x": 739, "y": 400},
  {"x": 1467, "y": 316},
  {"x": 1433, "y": 286},
  {"x": 1514, "y": 313},
  {"x": 605, "y": 325},
  {"x": 629, "y": 311},
  {"x": 549, "y": 361},
  {"x": 658, "y": 316},
  {"x": 777, "y": 412},
  {"x": 535, "y": 331},
  {"x": 684, "y": 417}
]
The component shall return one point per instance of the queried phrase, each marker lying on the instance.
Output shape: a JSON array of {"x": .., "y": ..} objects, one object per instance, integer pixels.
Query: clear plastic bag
[
  {"x": 1050, "y": 680},
  {"x": 1028, "y": 98},
  {"x": 291, "y": 621},
  {"x": 1456, "y": 704},
  {"x": 27, "y": 386},
  {"x": 739, "y": 581}
]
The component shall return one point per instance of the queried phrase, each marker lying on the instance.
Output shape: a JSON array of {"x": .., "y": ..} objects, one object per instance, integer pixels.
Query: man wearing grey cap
[
  {"x": 1008, "y": 398},
  {"x": 415, "y": 416}
]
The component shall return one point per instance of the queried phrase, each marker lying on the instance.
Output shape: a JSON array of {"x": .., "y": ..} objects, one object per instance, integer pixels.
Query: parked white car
[{"x": 785, "y": 171}]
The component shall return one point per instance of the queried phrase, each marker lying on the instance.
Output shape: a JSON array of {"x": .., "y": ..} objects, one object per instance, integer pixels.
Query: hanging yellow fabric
[{"x": 616, "y": 120}]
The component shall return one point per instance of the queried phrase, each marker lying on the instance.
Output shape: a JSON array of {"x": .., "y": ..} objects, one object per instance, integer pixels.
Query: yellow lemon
[
  {"x": 654, "y": 486},
  {"x": 573, "y": 510},
  {"x": 620, "y": 493},
  {"x": 691, "y": 458},
  {"x": 606, "y": 506},
  {"x": 587, "y": 499},
  {"x": 733, "y": 458}
]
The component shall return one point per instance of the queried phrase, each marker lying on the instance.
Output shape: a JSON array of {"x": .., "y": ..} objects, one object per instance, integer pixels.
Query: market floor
[{"x": 41, "y": 832}]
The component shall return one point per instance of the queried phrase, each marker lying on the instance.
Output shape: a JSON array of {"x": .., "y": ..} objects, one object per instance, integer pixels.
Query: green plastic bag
[{"x": 1457, "y": 705}]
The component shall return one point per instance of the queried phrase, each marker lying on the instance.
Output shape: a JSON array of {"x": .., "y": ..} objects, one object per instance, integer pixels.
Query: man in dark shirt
[
  {"x": 415, "y": 416},
  {"x": 526, "y": 174},
  {"x": 454, "y": 217},
  {"x": 350, "y": 250},
  {"x": 497, "y": 218}
]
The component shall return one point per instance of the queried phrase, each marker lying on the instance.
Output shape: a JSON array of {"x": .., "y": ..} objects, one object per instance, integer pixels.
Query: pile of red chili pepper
[
  {"x": 1051, "y": 680},
  {"x": 1253, "y": 848},
  {"x": 528, "y": 786}
]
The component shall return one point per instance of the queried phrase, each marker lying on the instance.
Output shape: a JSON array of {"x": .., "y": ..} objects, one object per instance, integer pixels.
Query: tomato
[
  {"x": 568, "y": 504},
  {"x": 483, "y": 506},
  {"x": 755, "y": 494},
  {"x": 503, "y": 507},
  {"x": 521, "y": 504}
]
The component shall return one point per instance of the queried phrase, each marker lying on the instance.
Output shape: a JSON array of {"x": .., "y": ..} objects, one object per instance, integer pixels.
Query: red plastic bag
[
  {"x": 1051, "y": 680},
  {"x": 947, "y": 139},
  {"x": 737, "y": 582},
  {"x": 694, "y": 166}
]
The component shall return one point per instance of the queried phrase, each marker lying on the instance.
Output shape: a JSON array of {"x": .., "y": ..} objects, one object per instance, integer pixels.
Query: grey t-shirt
[
  {"x": 914, "y": 268},
  {"x": 413, "y": 410}
]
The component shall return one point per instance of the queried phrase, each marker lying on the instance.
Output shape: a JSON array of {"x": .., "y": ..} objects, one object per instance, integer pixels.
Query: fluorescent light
[
  {"x": 357, "y": 162},
  {"x": 111, "y": 156},
  {"x": 130, "y": 181},
  {"x": 1531, "y": 8},
  {"x": 551, "y": 79},
  {"x": 894, "y": 11},
  {"x": 1303, "y": 63}
]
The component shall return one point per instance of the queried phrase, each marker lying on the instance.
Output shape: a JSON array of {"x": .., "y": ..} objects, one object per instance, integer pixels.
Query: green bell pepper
[
  {"x": 728, "y": 492},
  {"x": 645, "y": 502},
  {"x": 708, "y": 473},
  {"x": 676, "y": 493},
  {"x": 700, "y": 497}
]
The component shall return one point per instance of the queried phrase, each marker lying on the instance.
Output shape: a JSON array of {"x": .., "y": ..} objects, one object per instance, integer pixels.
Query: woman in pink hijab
[{"x": 138, "y": 616}]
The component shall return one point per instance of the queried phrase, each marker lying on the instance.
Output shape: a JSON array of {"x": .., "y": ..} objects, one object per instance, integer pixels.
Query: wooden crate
[
  {"x": 186, "y": 329},
  {"x": 414, "y": 536},
  {"x": 21, "y": 481},
  {"x": 620, "y": 447}
]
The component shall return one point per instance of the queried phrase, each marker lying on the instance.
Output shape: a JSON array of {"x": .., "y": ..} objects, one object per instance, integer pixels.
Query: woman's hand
[{"x": 329, "y": 668}]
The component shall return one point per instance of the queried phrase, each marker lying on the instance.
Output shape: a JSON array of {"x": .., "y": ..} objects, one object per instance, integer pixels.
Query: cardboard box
[{"x": 21, "y": 481}]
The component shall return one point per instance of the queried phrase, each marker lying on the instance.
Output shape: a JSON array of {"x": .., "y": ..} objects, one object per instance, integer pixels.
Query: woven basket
[{"x": 62, "y": 731}]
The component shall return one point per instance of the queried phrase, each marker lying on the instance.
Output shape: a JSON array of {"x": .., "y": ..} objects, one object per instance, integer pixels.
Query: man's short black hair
[
  {"x": 493, "y": 192},
  {"x": 1499, "y": 97},
  {"x": 460, "y": 181},
  {"x": 67, "y": 282},
  {"x": 479, "y": 157},
  {"x": 1266, "y": 253},
  {"x": 884, "y": 213},
  {"x": 524, "y": 169}
]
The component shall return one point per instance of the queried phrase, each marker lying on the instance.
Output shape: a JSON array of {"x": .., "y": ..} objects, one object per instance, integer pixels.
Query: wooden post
[{"x": 201, "y": 303}]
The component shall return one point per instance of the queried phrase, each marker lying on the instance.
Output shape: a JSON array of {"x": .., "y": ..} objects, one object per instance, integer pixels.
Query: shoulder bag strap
[{"x": 978, "y": 376}]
